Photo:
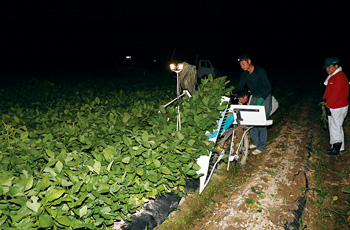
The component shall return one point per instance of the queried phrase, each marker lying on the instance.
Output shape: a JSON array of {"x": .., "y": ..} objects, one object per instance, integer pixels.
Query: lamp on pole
[{"x": 177, "y": 69}]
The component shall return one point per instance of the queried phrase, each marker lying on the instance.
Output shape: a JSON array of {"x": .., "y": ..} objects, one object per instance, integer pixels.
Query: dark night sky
[{"x": 65, "y": 34}]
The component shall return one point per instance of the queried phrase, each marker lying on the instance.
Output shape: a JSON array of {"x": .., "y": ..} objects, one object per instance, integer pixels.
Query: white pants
[{"x": 335, "y": 124}]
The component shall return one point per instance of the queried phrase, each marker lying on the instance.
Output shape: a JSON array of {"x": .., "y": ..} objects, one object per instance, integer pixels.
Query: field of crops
[{"x": 84, "y": 154}]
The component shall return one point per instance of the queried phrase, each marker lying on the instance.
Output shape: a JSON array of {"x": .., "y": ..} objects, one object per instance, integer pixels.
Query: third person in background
[{"x": 336, "y": 98}]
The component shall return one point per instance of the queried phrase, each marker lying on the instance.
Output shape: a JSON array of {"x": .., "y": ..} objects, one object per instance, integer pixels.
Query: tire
[{"x": 244, "y": 150}]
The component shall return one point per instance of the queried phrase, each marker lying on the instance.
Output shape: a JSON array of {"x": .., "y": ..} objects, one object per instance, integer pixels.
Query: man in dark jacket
[
  {"x": 336, "y": 97},
  {"x": 256, "y": 79}
]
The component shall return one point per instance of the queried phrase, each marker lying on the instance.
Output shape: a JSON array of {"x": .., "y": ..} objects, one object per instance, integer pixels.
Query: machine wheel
[{"x": 244, "y": 150}]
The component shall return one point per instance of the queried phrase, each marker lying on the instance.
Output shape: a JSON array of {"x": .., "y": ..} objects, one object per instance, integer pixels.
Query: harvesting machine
[{"x": 235, "y": 122}]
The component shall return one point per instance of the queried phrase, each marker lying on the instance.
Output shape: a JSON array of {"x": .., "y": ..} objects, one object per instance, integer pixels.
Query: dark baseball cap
[
  {"x": 244, "y": 57},
  {"x": 331, "y": 61}
]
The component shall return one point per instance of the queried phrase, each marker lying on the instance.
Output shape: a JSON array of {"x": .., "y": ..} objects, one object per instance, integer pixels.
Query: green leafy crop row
[{"x": 79, "y": 161}]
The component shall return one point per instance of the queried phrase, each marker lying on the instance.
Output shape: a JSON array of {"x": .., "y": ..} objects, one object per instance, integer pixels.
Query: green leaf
[
  {"x": 145, "y": 136},
  {"x": 156, "y": 163},
  {"x": 19, "y": 201},
  {"x": 52, "y": 212},
  {"x": 16, "y": 119},
  {"x": 149, "y": 161},
  {"x": 170, "y": 177},
  {"x": 180, "y": 135},
  {"x": 127, "y": 140},
  {"x": 76, "y": 187},
  {"x": 83, "y": 211},
  {"x": 196, "y": 167},
  {"x": 26, "y": 223},
  {"x": 64, "y": 220},
  {"x": 24, "y": 135},
  {"x": 183, "y": 159},
  {"x": 103, "y": 188},
  {"x": 108, "y": 154},
  {"x": 97, "y": 100},
  {"x": 50, "y": 153},
  {"x": 205, "y": 101},
  {"x": 139, "y": 171},
  {"x": 98, "y": 221},
  {"x": 48, "y": 137},
  {"x": 81, "y": 199},
  {"x": 45, "y": 221},
  {"x": 191, "y": 173},
  {"x": 346, "y": 190},
  {"x": 110, "y": 166},
  {"x": 146, "y": 144},
  {"x": 35, "y": 205},
  {"x": 126, "y": 117},
  {"x": 165, "y": 170},
  {"x": 152, "y": 176},
  {"x": 59, "y": 166},
  {"x": 16, "y": 191},
  {"x": 43, "y": 184},
  {"x": 221, "y": 107},
  {"x": 114, "y": 188},
  {"x": 21, "y": 213},
  {"x": 28, "y": 183},
  {"x": 106, "y": 200},
  {"x": 97, "y": 167},
  {"x": 191, "y": 142},
  {"x": 249, "y": 201},
  {"x": 106, "y": 210},
  {"x": 162, "y": 109},
  {"x": 51, "y": 171},
  {"x": 6, "y": 180},
  {"x": 53, "y": 194},
  {"x": 126, "y": 160},
  {"x": 106, "y": 216}
]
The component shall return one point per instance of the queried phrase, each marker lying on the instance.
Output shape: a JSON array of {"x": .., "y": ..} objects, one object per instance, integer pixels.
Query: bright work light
[
  {"x": 176, "y": 68},
  {"x": 172, "y": 67}
]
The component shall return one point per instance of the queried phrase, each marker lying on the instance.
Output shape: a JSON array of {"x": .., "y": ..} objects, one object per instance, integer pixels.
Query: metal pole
[{"x": 177, "y": 84}]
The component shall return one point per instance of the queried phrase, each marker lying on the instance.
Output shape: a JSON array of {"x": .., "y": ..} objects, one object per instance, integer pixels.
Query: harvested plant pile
[{"x": 188, "y": 78}]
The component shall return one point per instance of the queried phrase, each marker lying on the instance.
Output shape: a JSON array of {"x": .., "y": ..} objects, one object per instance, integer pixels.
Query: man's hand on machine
[{"x": 260, "y": 101}]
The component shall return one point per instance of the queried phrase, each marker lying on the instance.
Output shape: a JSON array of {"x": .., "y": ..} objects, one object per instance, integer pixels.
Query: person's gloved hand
[
  {"x": 260, "y": 101},
  {"x": 328, "y": 111}
]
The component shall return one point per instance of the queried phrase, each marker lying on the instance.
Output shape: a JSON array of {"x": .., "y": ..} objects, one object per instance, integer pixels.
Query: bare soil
[{"x": 290, "y": 185}]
